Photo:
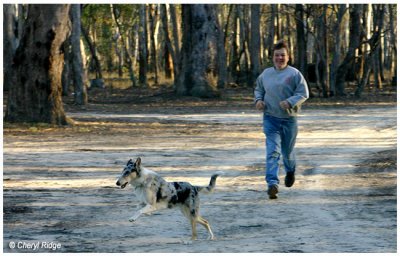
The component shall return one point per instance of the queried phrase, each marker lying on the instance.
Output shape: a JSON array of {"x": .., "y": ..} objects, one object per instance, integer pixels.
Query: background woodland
[{"x": 196, "y": 49}]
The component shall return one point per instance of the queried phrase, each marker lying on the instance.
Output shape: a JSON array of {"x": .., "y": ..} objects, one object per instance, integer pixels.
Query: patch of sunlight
[
  {"x": 336, "y": 166},
  {"x": 323, "y": 182},
  {"x": 211, "y": 117},
  {"x": 58, "y": 183}
]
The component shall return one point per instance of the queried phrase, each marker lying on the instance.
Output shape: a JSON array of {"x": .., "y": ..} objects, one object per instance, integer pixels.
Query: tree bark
[
  {"x": 221, "y": 56},
  {"x": 374, "y": 44},
  {"x": 93, "y": 51},
  {"x": 322, "y": 51},
  {"x": 66, "y": 76},
  {"x": 393, "y": 42},
  {"x": 355, "y": 37},
  {"x": 234, "y": 49},
  {"x": 301, "y": 53},
  {"x": 255, "y": 44},
  {"x": 199, "y": 75},
  {"x": 336, "y": 54},
  {"x": 153, "y": 54},
  {"x": 169, "y": 55},
  {"x": 269, "y": 42},
  {"x": 142, "y": 46},
  {"x": 243, "y": 42},
  {"x": 9, "y": 42},
  {"x": 77, "y": 62},
  {"x": 175, "y": 34},
  {"x": 38, "y": 63},
  {"x": 123, "y": 44}
]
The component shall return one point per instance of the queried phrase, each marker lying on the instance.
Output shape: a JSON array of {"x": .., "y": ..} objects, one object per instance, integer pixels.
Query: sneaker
[
  {"x": 289, "y": 179},
  {"x": 272, "y": 191}
]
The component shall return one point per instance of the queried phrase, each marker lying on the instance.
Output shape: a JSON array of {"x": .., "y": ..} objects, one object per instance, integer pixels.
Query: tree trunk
[
  {"x": 22, "y": 14},
  {"x": 374, "y": 44},
  {"x": 255, "y": 44},
  {"x": 376, "y": 68},
  {"x": 301, "y": 53},
  {"x": 355, "y": 37},
  {"x": 379, "y": 11},
  {"x": 9, "y": 42},
  {"x": 175, "y": 34},
  {"x": 199, "y": 74},
  {"x": 38, "y": 63},
  {"x": 393, "y": 41},
  {"x": 142, "y": 46},
  {"x": 77, "y": 62},
  {"x": 66, "y": 76},
  {"x": 93, "y": 52},
  {"x": 124, "y": 46},
  {"x": 169, "y": 55},
  {"x": 116, "y": 39},
  {"x": 153, "y": 55},
  {"x": 269, "y": 42},
  {"x": 322, "y": 52},
  {"x": 243, "y": 43},
  {"x": 365, "y": 77},
  {"x": 221, "y": 56},
  {"x": 234, "y": 52},
  {"x": 336, "y": 54}
]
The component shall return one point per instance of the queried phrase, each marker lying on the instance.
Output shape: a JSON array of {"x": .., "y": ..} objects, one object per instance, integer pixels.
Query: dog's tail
[{"x": 211, "y": 186}]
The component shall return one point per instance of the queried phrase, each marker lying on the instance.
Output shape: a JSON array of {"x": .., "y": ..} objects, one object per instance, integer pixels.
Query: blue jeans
[{"x": 281, "y": 134}]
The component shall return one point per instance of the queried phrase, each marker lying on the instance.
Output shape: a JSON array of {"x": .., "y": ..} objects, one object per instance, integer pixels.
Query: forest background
[{"x": 196, "y": 50}]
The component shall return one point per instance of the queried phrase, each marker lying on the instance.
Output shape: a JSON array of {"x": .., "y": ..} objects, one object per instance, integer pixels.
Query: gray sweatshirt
[{"x": 274, "y": 86}]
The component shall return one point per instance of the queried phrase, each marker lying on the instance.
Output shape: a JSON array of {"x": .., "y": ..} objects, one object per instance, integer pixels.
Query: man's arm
[
  {"x": 301, "y": 93},
  {"x": 259, "y": 93}
]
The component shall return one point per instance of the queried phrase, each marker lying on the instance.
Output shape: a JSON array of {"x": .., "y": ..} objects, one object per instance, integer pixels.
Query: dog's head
[{"x": 131, "y": 172}]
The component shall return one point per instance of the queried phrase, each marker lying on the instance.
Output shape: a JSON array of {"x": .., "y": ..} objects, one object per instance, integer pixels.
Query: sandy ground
[{"x": 59, "y": 188}]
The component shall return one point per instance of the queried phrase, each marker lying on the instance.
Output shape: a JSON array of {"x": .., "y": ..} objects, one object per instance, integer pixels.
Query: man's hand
[
  {"x": 260, "y": 105},
  {"x": 285, "y": 105}
]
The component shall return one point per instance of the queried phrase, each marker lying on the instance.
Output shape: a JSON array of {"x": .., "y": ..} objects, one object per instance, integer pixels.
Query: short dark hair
[{"x": 281, "y": 45}]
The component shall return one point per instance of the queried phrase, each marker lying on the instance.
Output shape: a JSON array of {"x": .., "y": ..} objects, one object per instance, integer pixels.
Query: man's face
[{"x": 281, "y": 58}]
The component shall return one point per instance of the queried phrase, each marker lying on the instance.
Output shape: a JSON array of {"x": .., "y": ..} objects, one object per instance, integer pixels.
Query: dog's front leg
[{"x": 147, "y": 209}]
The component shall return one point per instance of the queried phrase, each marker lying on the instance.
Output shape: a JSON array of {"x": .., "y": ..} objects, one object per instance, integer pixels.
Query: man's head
[{"x": 280, "y": 55}]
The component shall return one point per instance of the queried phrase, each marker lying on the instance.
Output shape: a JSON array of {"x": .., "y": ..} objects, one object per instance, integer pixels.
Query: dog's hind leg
[
  {"x": 205, "y": 224},
  {"x": 194, "y": 228}
]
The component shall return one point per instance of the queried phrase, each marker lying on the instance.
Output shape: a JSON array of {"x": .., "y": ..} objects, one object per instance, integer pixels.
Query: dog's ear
[
  {"x": 138, "y": 162},
  {"x": 129, "y": 162}
]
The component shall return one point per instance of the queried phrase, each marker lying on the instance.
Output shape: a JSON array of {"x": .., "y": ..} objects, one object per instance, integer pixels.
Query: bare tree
[
  {"x": 120, "y": 33},
  {"x": 373, "y": 43},
  {"x": 36, "y": 93},
  {"x": 93, "y": 52}
]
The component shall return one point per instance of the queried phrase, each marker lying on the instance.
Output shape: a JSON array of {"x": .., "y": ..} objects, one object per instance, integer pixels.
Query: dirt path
[{"x": 58, "y": 184}]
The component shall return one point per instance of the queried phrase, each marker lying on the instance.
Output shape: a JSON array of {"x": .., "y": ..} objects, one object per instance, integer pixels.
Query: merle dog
[{"x": 157, "y": 194}]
